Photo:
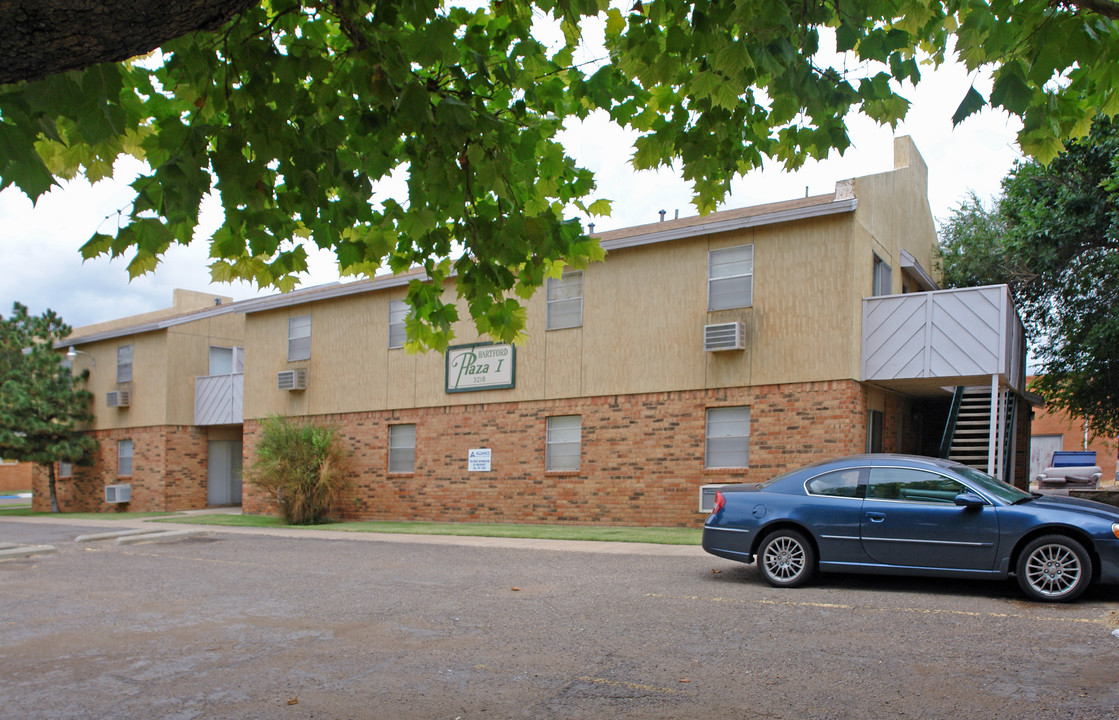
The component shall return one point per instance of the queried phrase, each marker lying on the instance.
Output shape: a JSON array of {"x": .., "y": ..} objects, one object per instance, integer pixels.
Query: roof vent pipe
[{"x": 663, "y": 213}]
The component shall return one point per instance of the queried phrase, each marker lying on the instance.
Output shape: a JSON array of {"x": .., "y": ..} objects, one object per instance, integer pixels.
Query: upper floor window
[
  {"x": 65, "y": 469},
  {"x": 299, "y": 338},
  {"x": 730, "y": 277},
  {"x": 398, "y": 312},
  {"x": 882, "y": 278},
  {"x": 565, "y": 301},
  {"x": 728, "y": 437},
  {"x": 221, "y": 361},
  {"x": 124, "y": 363},
  {"x": 563, "y": 442}
]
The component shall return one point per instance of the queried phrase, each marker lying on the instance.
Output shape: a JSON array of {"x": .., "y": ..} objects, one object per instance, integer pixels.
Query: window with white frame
[
  {"x": 398, "y": 312},
  {"x": 299, "y": 338},
  {"x": 402, "y": 448},
  {"x": 882, "y": 278},
  {"x": 728, "y": 437},
  {"x": 564, "y": 301},
  {"x": 65, "y": 469},
  {"x": 221, "y": 360},
  {"x": 563, "y": 441},
  {"x": 730, "y": 277},
  {"x": 124, "y": 363},
  {"x": 124, "y": 458}
]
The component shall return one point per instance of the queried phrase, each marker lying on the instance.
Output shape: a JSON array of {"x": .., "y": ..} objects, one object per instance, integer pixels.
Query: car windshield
[{"x": 993, "y": 486}]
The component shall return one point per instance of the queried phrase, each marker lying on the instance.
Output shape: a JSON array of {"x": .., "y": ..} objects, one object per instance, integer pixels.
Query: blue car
[{"x": 906, "y": 515}]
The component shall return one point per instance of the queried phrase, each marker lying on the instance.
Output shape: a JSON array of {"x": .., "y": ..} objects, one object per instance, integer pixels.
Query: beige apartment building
[{"x": 703, "y": 350}]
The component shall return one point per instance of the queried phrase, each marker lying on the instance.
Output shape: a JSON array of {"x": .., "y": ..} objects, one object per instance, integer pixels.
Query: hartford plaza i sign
[{"x": 481, "y": 366}]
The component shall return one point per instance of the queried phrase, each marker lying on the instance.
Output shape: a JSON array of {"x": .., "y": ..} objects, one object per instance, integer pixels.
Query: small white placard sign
[{"x": 479, "y": 460}]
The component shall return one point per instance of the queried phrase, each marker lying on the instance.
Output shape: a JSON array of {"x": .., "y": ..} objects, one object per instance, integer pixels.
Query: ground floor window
[
  {"x": 65, "y": 469},
  {"x": 728, "y": 437},
  {"x": 124, "y": 458},
  {"x": 563, "y": 442},
  {"x": 874, "y": 431},
  {"x": 402, "y": 448}
]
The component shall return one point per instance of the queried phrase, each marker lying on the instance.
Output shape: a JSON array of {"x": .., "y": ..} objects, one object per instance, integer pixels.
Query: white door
[
  {"x": 223, "y": 473},
  {"x": 1041, "y": 452}
]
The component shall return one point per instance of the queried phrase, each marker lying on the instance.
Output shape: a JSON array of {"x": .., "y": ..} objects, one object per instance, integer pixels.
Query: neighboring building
[
  {"x": 166, "y": 388},
  {"x": 704, "y": 350},
  {"x": 1053, "y": 431},
  {"x": 14, "y": 476}
]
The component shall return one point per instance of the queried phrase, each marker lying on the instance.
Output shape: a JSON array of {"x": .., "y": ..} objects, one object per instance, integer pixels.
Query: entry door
[
  {"x": 223, "y": 474},
  {"x": 910, "y": 519}
]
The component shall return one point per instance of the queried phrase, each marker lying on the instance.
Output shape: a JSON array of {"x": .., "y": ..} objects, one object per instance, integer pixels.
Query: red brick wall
[
  {"x": 15, "y": 477},
  {"x": 168, "y": 473},
  {"x": 642, "y": 455}
]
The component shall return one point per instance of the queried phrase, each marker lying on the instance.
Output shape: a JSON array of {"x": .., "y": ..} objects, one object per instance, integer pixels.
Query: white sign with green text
[{"x": 482, "y": 366}]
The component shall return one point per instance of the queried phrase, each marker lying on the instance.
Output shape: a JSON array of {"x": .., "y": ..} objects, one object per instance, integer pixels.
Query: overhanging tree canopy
[
  {"x": 1053, "y": 236},
  {"x": 293, "y": 112}
]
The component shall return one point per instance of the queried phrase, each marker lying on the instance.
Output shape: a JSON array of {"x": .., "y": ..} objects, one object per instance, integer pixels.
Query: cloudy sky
[{"x": 41, "y": 267}]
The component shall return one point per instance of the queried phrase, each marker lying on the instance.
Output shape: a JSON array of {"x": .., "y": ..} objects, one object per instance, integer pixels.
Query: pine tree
[{"x": 43, "y": 407}]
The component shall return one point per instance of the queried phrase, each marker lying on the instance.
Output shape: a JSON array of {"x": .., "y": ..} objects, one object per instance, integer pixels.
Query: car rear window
[{"x": 841, "y": 483}]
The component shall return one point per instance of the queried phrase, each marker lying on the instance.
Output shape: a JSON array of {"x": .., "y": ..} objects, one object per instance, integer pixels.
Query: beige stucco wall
[
  {"x": 164, "y": 365},
  {"x": 643, "y": 315},
  {"x": 893, "y": 215}
]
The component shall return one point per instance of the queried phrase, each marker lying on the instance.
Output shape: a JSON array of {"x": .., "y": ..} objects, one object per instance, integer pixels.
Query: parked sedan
[{"x": 906, "y": 515}]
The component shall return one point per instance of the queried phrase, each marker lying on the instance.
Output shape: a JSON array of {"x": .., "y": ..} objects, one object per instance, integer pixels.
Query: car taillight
[{"x": 720, "y": 502}]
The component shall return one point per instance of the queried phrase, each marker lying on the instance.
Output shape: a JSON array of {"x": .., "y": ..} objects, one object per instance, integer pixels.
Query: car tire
[
  {"x": 1054, "y": 568},
  {"x": 787, "y": 559}
]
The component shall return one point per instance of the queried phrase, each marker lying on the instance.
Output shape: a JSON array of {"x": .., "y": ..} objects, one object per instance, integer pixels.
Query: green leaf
[{"x": 972, "y": 103}]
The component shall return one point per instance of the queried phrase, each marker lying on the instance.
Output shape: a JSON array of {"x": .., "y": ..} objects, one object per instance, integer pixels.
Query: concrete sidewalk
[{"x": 310, "y": 533}]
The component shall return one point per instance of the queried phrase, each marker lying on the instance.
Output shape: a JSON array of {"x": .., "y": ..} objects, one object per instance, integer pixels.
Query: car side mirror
[{"x": 969, "y": 500}]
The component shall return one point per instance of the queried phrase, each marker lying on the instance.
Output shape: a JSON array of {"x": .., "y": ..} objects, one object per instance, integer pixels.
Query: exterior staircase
[{"x": 968, "y": 433}]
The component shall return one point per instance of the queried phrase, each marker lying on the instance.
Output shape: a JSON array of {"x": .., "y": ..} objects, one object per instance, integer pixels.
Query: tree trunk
[
  {"x": 51, "y": 484},
  {"x": 42, "y": 37}
]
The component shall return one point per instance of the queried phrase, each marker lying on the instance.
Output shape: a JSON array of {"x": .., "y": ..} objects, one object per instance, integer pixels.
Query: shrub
[{"x": 301, "y": 465}]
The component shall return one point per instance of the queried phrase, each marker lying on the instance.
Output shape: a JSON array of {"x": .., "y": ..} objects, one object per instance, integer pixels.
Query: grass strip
[{"x": 600, "y": 533}]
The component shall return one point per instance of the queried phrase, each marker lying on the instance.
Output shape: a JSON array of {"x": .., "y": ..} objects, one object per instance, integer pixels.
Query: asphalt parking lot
[{"x": 253, "y": 625}]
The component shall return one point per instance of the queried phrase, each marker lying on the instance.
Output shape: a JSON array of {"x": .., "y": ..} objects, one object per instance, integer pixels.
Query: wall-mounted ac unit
[
  {"x": 120, "y": 493},
  {"x": 118, "y": 398},
  {"x": 292, "y": 379},
  {"x": 724, "y": 336},
  {"x": 707, "y": 497}
]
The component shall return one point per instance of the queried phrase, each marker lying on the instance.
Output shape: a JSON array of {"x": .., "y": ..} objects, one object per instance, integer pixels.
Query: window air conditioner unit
[
  {"x": 121, "y": 493},
  {"x": 707, "y": 497},
  {"x": 724, "y": 336},
  {"x": 118, "y": 398},
  {"x": 292, "y": 379}
]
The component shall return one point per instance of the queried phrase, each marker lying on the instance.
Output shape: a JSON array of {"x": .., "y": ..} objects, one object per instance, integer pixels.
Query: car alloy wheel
[
  {"x": 1054, "y": 568},
  {"x": 787, "y": 559}
]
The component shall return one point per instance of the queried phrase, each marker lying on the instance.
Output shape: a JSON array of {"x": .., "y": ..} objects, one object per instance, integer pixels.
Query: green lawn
[{"x": 610, "y": 533}]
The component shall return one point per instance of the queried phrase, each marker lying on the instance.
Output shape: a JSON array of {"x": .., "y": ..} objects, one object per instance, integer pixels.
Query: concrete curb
[
  {"x": 27, "y": 551},
  {"x": 114, "y": 535},
  {"x": 153, "y": 536}
]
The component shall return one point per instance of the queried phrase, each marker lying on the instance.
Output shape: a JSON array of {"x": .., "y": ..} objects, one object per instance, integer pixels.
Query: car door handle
[{"x": 876, "y": 517}]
